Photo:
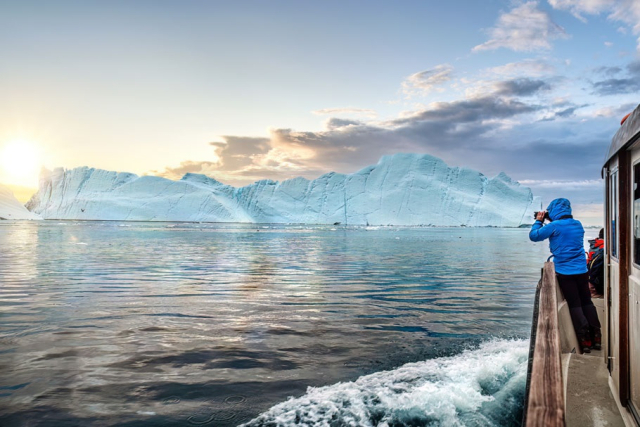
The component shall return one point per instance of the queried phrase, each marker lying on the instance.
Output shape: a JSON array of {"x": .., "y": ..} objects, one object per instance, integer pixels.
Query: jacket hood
[{"x": 559, "y": 208}]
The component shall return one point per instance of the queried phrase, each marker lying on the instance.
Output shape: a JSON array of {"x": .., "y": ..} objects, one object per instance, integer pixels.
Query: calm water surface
[{"x": 108, "y": 323}]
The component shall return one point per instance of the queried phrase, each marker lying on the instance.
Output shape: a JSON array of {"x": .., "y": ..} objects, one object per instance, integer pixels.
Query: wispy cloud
[
  {"x": 562, "y": 110},
  {"x": 524, "y": 28},
  {"x": 580, "y": 7},
  {"x": 626, "y": 12},
  {"x": 528, "y": 67},
  {"x": 427, "y": 81},
  {"x": 613, "y": 111}
]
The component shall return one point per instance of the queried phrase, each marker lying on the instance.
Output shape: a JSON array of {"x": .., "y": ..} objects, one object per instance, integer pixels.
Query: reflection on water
[{"x": 111, "y": 323}]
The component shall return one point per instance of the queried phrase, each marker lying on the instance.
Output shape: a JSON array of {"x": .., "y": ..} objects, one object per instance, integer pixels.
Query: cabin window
[
  {"x": 614, "y": 213},
  {"x": 636, "y": 213}
]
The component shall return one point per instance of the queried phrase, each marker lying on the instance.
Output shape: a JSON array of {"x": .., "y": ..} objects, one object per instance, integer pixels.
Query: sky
[{"x": 247, "y": 90}]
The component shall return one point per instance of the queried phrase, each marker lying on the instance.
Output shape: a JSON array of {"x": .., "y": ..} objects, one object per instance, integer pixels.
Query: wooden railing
[{"x": 545, "y": 398}]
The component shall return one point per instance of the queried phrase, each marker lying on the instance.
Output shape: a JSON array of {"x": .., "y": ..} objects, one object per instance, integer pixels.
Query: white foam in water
[{"x": 477, "y": 387}]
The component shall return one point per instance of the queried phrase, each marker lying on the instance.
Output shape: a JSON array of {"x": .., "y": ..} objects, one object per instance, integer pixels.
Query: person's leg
[
  {"x": 589, "y": 310},
  {"x": 569, "y": 287}
]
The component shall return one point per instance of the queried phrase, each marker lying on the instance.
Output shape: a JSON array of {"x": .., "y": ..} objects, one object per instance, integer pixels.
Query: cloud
[
  {"x": 496, "y": 126},
  {"x": 613, "y": 111},
  {"x": 555, "y": 160},
  {"x": 617, "y": 86},
  {"x": 469, "y": 133},
  {"x": 475, "y": 110},
  {"x": 348, "y": 110},
  {"x": 563, "y": 113},
  {"x": 335, "y": 123},
  {"x": 608, "y": 71},
  {"x": 521, "y": 87},
  {"x": 427, "y": 81},
  {"x": 237, "y": 152},
  {"x": 507, "y": 87},
  {"x": 634, "y": 68},
  {"x": 568, "y": 112},
  {"x": 624, "y": 11},
  {"x": 523, "y": 29},
  {"x": 578, "y": 7},
  {"x": 527, "y": 67},
  {"x": 205, "y": 168},
  {"x": 440, "y": 128}
]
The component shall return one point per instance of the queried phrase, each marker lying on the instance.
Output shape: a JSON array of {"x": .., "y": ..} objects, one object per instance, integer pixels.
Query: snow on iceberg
[
  {"x": 11, "y": 208},
  {"x": 402, "y": 189}
]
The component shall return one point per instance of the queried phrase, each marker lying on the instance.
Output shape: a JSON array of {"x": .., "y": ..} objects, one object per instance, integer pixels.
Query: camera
[{"x": 546, "y": 215}]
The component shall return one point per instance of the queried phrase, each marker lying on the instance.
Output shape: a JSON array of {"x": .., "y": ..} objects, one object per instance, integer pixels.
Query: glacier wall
[
  {"x": 11, "y": 208},
  {"x": 402, "y": 189}
]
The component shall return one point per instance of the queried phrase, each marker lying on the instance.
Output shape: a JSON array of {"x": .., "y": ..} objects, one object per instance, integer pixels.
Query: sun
[{"x": 20, "y": 162}]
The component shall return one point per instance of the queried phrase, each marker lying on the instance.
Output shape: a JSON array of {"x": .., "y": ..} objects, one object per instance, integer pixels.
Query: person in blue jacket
[{"x": 566, "y": 243}]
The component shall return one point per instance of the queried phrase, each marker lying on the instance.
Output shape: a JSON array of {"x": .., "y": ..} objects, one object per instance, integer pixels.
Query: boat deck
[
  {"x": 566, "y": 388},
  {"x": 589, "y": 398},
  {"x": 589, "y": 401}
]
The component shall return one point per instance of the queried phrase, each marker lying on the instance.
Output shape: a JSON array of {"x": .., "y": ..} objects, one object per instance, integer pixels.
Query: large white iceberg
[
  {"x": 11, "y": 208},
  {"x": 402, "y": 189}
]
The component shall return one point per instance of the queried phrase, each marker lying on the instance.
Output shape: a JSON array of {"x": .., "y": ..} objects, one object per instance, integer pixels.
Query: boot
[
  {"x": 596, "y": 339},
  {"x": 585, "y": 345}
]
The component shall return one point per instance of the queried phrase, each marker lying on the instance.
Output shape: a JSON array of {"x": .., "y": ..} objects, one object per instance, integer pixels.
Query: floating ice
[
  {"x": 402, "y": 189},
  {"x": 477, "y": 387},
  {"x": 11, "y": 208}
]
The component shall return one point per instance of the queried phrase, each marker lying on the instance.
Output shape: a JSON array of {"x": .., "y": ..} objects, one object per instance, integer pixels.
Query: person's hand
[{"x": 540, "y": 216}]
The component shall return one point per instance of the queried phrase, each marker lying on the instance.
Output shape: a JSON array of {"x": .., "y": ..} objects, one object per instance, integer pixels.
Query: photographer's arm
[{"x": 539, "y": 232}]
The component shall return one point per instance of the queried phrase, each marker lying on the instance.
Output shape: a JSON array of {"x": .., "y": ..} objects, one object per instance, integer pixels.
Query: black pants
[{"x": 575, "y": 288}]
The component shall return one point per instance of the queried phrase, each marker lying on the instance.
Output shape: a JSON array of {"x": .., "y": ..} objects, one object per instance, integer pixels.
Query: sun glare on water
[{"x": 20, "y": 163}]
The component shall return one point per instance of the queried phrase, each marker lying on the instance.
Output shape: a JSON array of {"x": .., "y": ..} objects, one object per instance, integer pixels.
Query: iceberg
[
  {"x": 401, "y": 189},
  {"x": 11, "y": 208}
]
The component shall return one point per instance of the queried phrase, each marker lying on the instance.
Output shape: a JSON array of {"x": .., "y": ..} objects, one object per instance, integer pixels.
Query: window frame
[
  {"x": 635, "y": 241},
  {"x": 614, "y": 189}
]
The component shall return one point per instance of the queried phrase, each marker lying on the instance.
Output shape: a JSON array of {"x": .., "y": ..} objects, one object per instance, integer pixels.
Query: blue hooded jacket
[{"x": 566, "y": 238}]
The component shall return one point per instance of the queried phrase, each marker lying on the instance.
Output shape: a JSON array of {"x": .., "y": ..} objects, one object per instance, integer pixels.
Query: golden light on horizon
[{"x": 20, "y": 163}]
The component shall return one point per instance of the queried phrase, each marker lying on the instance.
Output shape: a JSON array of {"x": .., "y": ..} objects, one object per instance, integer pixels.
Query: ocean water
[{"x": 174, "y": 324}]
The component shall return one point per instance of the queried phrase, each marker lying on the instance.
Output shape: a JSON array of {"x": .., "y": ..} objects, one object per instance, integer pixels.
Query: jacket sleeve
[{"x": 539, "y": 232}]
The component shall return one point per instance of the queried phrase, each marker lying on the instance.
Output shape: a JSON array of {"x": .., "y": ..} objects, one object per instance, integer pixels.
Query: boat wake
[{"x": 481, "y": 387}]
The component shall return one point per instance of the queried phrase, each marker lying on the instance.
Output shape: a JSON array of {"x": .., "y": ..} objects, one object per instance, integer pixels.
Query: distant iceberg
[
  {"x": 11, "y": 208},
  {"x": 402, "y": 189}
]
